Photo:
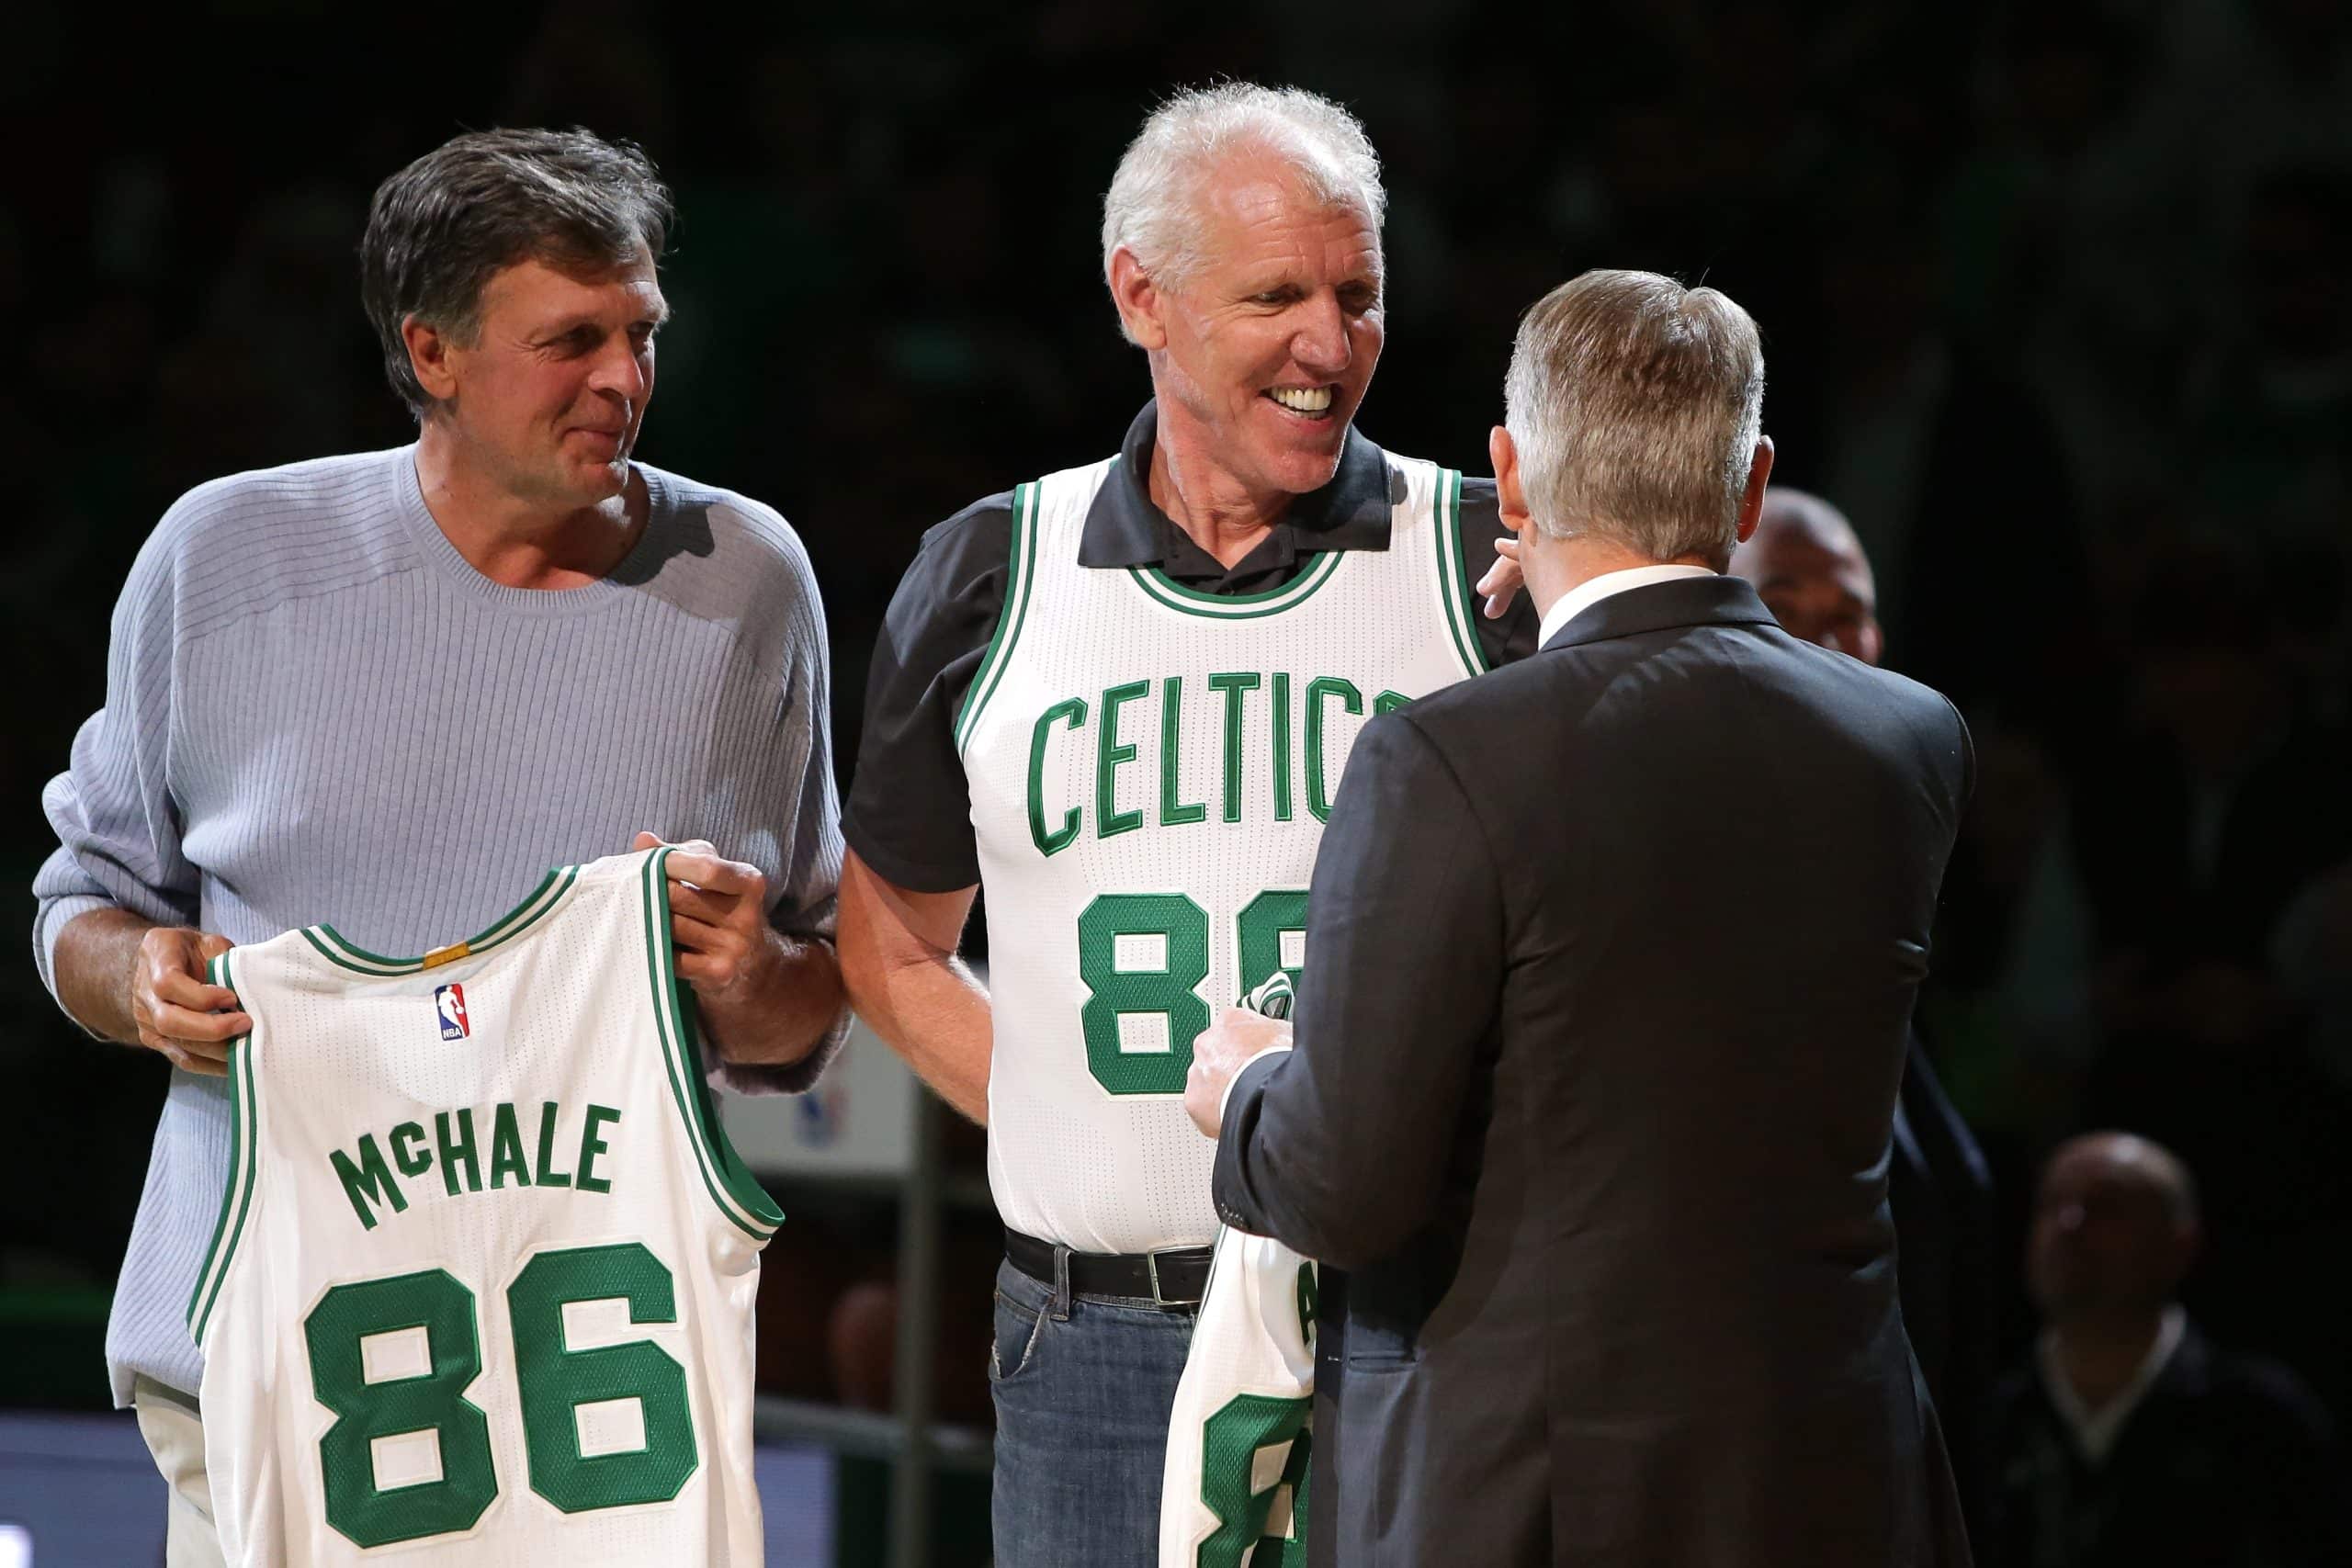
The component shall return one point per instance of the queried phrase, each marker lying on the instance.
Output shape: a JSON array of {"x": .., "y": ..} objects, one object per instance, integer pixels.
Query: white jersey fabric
[
  {"x": 482, "y": 1281},
  {"x": 1150, "y": 770},
  {"x": 1235, "y": 1490}
]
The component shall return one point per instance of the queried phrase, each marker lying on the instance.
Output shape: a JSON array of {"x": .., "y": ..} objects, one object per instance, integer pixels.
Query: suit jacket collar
[{"x": 1723, "y": 600}]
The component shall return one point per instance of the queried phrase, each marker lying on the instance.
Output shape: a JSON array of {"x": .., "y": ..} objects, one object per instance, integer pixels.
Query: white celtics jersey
[
  {"x": 1150, "y": 770},
  {"x": 1234, "y": 1487},
  {"x": 481, "y": 1287}
]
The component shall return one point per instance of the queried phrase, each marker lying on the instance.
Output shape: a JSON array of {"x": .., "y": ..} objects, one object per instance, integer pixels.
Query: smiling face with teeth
[{"x": 1261, "y": 352}]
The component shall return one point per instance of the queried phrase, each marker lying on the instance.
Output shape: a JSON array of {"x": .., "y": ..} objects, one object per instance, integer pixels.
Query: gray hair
[
  {"x": 1151, "y": 209},
  {"x": 439, "y": 230},
  {"x": 1636, "y": 405}
]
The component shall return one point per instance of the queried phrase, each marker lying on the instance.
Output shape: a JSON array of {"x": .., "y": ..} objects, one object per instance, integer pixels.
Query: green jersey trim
[
  {"x": 1454, "y": 578},
  {"x": 1167, "y": 591},
  {"x": 1024, "y": 568},
  {"x": 336, "y": 949},
  {"x": 237, "y": 1191},
  {"x": 740, "y": 1197}
]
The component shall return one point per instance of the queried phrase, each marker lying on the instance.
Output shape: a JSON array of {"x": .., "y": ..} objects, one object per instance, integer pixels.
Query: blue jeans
[{"x": 1084, "y": 1386}]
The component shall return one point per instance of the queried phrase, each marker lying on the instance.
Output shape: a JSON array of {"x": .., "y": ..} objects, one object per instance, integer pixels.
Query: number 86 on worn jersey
[{"x": 484, "y": 1272}]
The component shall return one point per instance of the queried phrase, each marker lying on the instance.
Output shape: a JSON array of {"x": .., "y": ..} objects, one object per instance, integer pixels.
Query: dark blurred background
[{"x": 2054, "y": 309}]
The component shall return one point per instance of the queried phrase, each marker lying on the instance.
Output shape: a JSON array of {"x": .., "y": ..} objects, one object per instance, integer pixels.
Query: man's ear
[
  {"x": 428, "y": 355},
  {"x": 1759, "y": 475},
  {"x": 1140, "y": 300},
  {"x": 1504, "y": 455}
]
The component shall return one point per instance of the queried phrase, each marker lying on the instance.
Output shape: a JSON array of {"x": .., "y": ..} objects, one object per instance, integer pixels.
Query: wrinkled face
[
  {"x": 1273, "y": 342},
  {"x": 2104, "y": 1236},
  {"x": 1820, "y": 595},
  {"x": 551, "y": 392}
]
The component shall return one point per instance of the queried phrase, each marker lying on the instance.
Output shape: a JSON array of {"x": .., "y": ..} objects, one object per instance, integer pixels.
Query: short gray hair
[
  {"x": 1636, "y": 405},
  {"x": 1151, "y": 209},
  {"x": 439, "y": 230}
]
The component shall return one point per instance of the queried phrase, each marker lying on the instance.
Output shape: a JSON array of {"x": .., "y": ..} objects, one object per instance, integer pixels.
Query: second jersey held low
[{"x": 485, "y": 1267}]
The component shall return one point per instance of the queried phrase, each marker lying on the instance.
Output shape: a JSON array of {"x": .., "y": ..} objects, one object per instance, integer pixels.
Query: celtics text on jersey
[{"x": 1150, "y": 768}]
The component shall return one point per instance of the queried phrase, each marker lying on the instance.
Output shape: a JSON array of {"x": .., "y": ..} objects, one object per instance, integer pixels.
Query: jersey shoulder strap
[
  {"x": 738, "y": 1193},
  {"x": 237, "y": 1192},
  {"x": 1042, "y": 511}
]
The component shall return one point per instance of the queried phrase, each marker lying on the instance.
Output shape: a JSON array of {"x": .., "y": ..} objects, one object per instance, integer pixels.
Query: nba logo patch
[{"x": 451, "y": 1001}]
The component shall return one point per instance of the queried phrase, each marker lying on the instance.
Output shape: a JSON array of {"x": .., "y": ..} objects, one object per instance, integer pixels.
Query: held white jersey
[
  {"x": 1234, "y": 1493},
  {"x": 481, "y": 1290},
  {"x": 1150, "y": 770}
]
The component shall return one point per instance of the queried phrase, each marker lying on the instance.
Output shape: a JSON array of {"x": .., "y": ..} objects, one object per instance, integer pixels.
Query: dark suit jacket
[
  {"x": 1612, "y": 959},
  {"x": 1947, "y": 1265}
]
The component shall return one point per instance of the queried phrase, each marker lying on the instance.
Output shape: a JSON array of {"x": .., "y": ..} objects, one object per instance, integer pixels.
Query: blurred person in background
[
  {"x": 2129, "y": 1437},
  {"x": 1809, "y": 568},
  {"x": 390, "y": 689},
  {"x": 2196, "y": 833}
]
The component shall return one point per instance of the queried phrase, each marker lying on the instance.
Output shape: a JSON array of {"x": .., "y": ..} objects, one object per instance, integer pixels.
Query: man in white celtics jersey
[
  {"x": 483, "y": 1278},
  {"x": 1120, "y": 697}
]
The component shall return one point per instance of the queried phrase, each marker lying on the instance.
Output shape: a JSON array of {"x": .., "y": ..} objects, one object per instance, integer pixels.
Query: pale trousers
[{"x": 175, "y": 1435}]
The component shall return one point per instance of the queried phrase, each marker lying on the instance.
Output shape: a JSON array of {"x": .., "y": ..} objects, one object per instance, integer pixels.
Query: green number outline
[
  {"x": 1257, "y": 936},
  {"x": 1169, "y": 992},
  {"x": 1231, "y": 1440},
  {"x": 437, "y": 1302},
  {"x": 551, "y": 1379}
]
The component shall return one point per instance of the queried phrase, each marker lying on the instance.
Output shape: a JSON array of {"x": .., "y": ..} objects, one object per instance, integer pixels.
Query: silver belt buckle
[{"x": 1151, "y": 1265}]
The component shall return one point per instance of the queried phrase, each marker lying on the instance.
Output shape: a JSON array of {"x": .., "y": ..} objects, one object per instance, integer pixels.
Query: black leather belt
[{"x": 1173, "y": 1277}]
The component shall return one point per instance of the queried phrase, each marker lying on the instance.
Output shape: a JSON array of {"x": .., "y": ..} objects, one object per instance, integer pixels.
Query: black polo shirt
[{"x": 910, "y": 812}]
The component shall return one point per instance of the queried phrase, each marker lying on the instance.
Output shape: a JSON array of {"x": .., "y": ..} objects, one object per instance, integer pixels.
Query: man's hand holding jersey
[
  {"x": 764, "y": 997},
  {"x": 1239, "y": 1037},
  {"x": 123, "y": 978},
  {"x": 176, "y": 1007}
]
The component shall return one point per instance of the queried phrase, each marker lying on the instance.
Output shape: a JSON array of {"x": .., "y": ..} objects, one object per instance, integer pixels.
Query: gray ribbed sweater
[{"x": 317, "y": 710}]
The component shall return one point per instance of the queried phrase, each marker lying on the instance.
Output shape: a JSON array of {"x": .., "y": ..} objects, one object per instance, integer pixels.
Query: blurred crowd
[{"x": 2053, "y": 311}]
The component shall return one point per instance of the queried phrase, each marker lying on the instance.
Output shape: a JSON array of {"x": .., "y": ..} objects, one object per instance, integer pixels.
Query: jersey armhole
[
  {"x": 1019, "y": 573},
  {"x": 237, "y": 1191},
  {"x": 1454, "y": 574},
  {"x": 739, "y": 1196}
]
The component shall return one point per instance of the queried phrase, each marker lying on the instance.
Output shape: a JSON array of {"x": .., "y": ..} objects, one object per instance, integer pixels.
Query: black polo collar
[{"x": 1123, "y": 528}]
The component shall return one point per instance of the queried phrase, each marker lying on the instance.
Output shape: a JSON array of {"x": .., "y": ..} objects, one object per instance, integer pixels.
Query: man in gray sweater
[{"x": 389, "y": 690}]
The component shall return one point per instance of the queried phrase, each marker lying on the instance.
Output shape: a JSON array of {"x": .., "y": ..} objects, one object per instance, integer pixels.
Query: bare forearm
[
  {"x": 793, "y": 1002},
  {"x": 899, "y": 962},
  {"x": 96, "y": 954},
  {"x": 931, "y": 1011}
]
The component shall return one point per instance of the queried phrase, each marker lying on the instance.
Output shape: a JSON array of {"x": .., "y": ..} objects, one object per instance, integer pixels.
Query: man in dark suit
[{"x": 1611, "y": 956}]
